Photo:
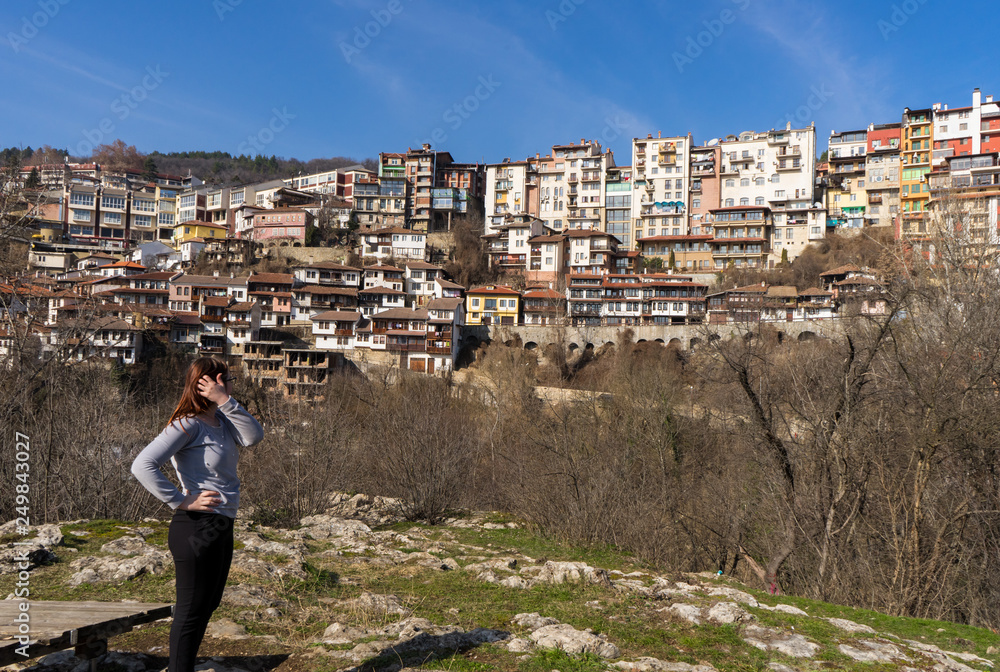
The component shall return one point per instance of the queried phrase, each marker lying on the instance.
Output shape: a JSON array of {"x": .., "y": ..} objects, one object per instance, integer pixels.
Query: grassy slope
[{"x": 634, "y": 623}]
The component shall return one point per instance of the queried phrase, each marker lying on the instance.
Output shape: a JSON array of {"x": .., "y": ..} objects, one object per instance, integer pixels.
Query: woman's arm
[
  {"x": 146, "y": 466},
  {"x": 248, "y": 430}
]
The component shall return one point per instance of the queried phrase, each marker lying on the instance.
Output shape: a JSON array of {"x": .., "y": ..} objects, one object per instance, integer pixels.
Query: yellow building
[
  {"x": 198, "y": 229},
  {"x": 915, "y": 160},
  {"x": 493, "y": 304}
]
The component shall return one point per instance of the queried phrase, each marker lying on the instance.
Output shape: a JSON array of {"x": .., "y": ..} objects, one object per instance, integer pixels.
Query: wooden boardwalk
[{"x": 83, "y": 626}]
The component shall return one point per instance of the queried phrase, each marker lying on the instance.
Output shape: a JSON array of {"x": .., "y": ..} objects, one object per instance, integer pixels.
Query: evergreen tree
[
  {"x": 672, "y": 263},
  {"x": 34, "y": 181},
  {"x": 149, "y": 170}
]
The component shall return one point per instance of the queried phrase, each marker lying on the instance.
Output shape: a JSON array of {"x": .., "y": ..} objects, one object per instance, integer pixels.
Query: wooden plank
[{"x": 60, "y": 625}]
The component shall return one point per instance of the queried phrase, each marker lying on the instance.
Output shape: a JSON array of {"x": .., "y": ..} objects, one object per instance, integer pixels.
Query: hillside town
[{"x": 116, "y": 259}]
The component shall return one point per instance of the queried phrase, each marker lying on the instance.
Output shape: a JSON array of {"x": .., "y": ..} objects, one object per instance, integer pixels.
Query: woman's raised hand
[{"x": 214, "y": 390}]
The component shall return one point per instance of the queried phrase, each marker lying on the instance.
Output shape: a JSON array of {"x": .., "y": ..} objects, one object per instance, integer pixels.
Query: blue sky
[{"x": 483, "y": 80}]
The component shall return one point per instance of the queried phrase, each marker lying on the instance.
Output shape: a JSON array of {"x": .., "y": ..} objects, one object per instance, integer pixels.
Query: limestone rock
[
  {"x": 245, "y": 562},
  {"x": 514, "y": 582},
  {"x": 533, "y": 621},
  {"x": 225, "y": 628},
  {"x": 728, "y": 612},
  {"x": 868, "y": 651},
  {"x": 114, "y": 570},
  {"x": 325, "y": 526},
  {"x": 518, "y": 645},
  {"x": 337, "y": 633},
  {"x": 850, "y": 626},
  {"x": 688, "y": 612},
  {"x": 372, "y": 602},
  {"x": 733, "y": 594},
  {"x": 245, "y": 595},
  {"x": 768, "y": 639},
  {"x": 567, "y": 638},
  {"x": 127, "y": 546},
  {"x": 566, "y": 572},
  {"x": 789, "y": 609}
]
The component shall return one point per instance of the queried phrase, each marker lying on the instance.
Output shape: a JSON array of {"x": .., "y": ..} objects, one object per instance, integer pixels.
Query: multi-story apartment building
[
  {"x": 511, "y": 189},
  {"x": 437, "y": 189},
  {"x": 915, "y": 163},
  {"x": 846, "y": 194},
  {"x": 571, "y": 186},
  {"x": 965, "y": 200},
  {"x": 618, "y": 188},
  {"x": 774, "y": 170},
  {"x": 661, "y": 174},
  {"x": 742, "y": 236},
  {"x": 882, "y": 174},
  {"x": 492, "y": 304}
]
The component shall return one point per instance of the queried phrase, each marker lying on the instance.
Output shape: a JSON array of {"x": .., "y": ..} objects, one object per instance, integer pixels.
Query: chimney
[
  {"x": 977, "y": 97},
  {"x": 583, "y": 141},
  {"x": 659, "y": 134},
  {"x": 989, "y": 99},
  {"x": 649, "y": 136}
]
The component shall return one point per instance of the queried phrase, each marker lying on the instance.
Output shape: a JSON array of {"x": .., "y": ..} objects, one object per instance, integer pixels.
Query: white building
[
  {"x": 661, "y": 184},
  {"x": 776, "y": 170},
  {"x": 507, "y": 186}
]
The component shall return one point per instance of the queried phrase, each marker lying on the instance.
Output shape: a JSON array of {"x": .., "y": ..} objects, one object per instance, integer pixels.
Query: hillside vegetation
[{"x": 359, "y": 589}]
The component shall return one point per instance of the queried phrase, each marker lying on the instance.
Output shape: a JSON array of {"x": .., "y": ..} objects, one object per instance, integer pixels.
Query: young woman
[{"x": 202, "y": 442}]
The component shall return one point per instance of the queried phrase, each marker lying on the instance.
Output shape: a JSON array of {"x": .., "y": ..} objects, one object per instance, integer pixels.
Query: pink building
[{"x": 282, "y": 225}]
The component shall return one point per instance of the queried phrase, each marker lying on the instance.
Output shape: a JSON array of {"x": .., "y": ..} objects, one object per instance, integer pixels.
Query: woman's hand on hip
[{"x": 203, "y": 501}]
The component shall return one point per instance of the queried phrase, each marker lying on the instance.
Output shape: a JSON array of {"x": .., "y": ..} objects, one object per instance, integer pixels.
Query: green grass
[{"x": 634, "y": 623}]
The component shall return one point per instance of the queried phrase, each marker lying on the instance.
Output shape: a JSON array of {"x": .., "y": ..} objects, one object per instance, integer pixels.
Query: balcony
[
  {"x": 510, "y": 259},
  {"x": 406, "y": 347},
  {"x": 572, "y": 178},
  {"x": 791, "y": 151},
  {"x": 439, "y": 349}
]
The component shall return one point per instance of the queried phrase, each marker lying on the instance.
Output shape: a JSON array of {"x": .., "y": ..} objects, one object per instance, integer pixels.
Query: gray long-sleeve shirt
[{"x": 204, "y": 457}]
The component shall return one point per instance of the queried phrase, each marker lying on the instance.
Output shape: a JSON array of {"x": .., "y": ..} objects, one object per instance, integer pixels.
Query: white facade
[
  {"x": 777, "y": 170},
  {"x": 506, "y": 191},
  {"x": 661, "y": 185}
]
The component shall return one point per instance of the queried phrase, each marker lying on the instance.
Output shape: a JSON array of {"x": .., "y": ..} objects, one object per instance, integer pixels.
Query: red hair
[{"x": 192, "y": 403}]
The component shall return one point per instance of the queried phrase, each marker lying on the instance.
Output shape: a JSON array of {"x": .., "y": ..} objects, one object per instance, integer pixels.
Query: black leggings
[{"x": 202, "y": 546}]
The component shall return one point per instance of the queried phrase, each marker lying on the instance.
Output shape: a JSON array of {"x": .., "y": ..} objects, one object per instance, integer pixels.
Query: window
[
  {"x": 759, "y": 182},
  {"x": 744, "y": 201},
  {"x": 81, "y": 199},
  {"x": 730, "y": 183},
  {"x": 143, "y": 220},
  {"x": 112, "y": 218},
  {"x": 81, "y": 215},
  {"x": 745, "y": 182},
  {"x": 475, "y": 303},
  {"x": 236, "y": 197},
  {"x": 730, "y": 202},
  {"x": 759, "y": 200},
  {"x": 116, "y": 202}
]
